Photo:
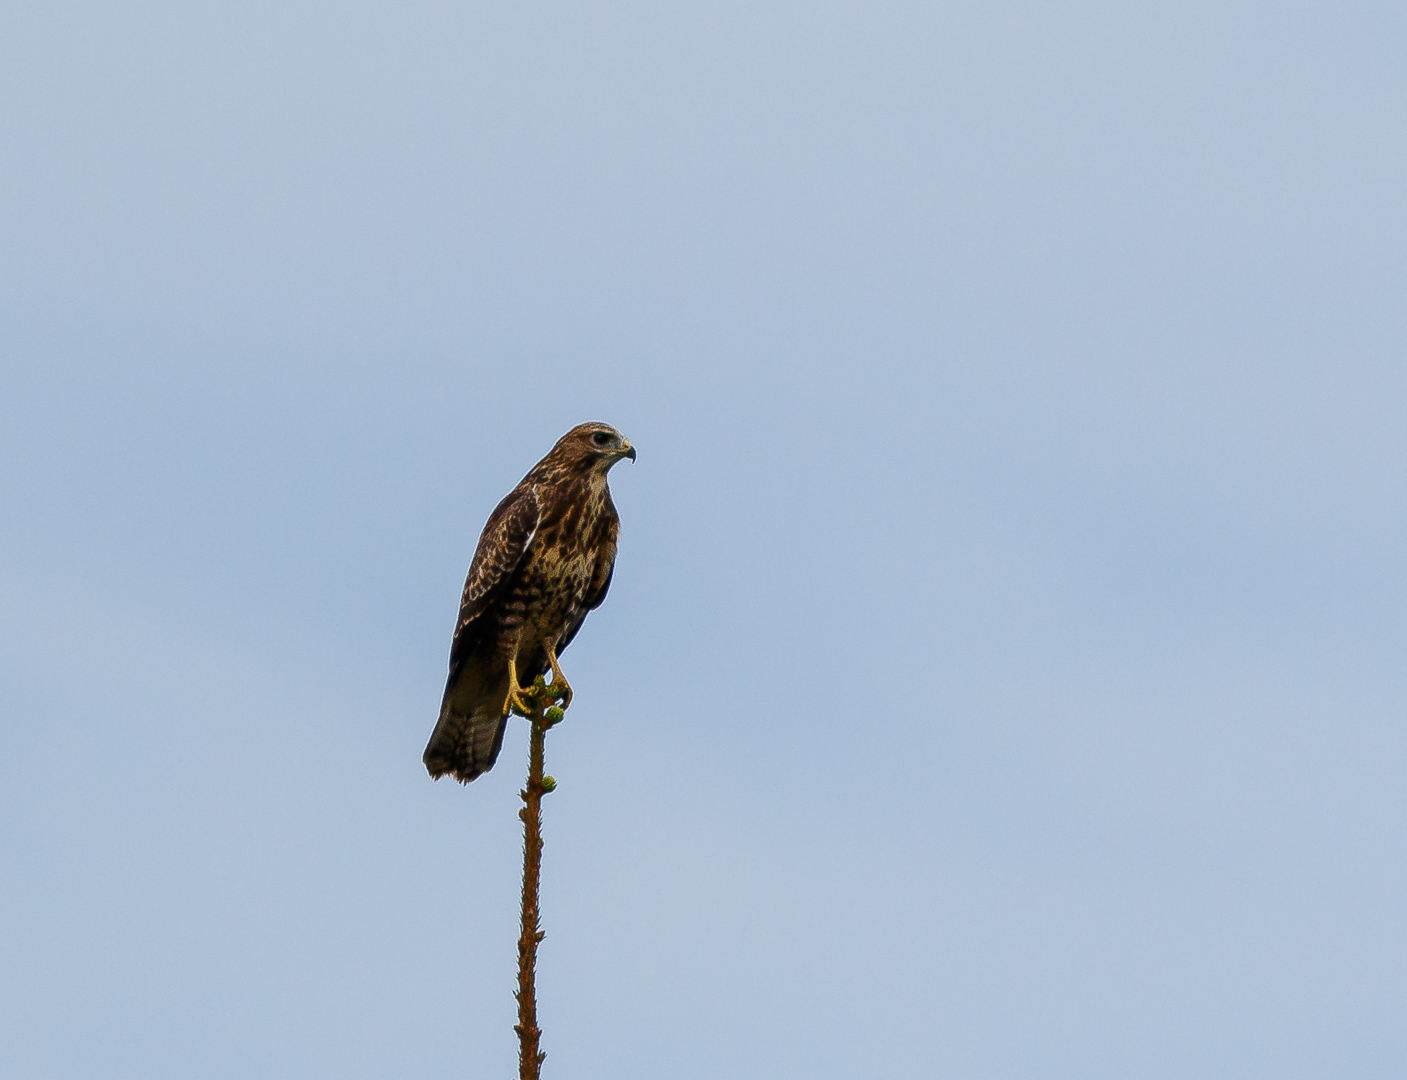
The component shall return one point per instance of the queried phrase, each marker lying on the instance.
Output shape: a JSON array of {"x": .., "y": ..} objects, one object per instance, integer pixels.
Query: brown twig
[{"x": 544, "y": 714}]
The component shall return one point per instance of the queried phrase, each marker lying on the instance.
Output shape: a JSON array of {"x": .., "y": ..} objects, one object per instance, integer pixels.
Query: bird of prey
[{"x": 543, "y": 561}]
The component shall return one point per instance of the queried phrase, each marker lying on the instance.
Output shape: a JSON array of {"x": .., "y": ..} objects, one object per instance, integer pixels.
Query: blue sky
[{"x": 1002, "y": 675}]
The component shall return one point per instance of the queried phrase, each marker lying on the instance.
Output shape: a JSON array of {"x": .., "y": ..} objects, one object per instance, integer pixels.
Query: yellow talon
[{"x": 519, "y": 701}]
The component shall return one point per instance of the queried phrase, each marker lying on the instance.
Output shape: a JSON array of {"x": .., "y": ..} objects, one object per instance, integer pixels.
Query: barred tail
[{"x": 469, "y": 734}]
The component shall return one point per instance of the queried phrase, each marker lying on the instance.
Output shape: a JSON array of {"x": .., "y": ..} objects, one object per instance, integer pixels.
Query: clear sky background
[{"x": 1004, "y": 671}]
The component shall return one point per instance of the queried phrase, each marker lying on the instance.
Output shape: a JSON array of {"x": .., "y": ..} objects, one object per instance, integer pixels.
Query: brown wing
[
  {"x": 469, "y": 732},
  {"x": 506, "y": 536}
]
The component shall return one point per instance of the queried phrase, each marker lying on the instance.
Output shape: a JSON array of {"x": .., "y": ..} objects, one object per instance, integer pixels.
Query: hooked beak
[{"x": 629, "y": 450}]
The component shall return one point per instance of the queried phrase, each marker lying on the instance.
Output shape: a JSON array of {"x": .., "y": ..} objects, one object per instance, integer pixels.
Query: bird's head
[{"x": 598, "y": 446}]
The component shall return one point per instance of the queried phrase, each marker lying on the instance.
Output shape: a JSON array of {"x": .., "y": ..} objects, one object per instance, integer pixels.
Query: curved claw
[{"x": 519, "y": 701}]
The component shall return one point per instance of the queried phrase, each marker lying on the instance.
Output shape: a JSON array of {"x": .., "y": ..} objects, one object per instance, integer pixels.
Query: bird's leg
[
  {"x": 517, "y": 697},
  {"x": 559, "y": 680}
]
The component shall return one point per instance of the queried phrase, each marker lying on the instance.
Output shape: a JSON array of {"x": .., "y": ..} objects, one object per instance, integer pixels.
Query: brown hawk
[{"x": 544, "y": 560}]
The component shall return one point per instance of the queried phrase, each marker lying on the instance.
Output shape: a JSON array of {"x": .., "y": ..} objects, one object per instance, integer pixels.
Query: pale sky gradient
[{"x": 1004, "y": 671}]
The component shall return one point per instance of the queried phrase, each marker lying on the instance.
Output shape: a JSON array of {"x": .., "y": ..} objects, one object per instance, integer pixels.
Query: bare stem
[{"x": 543, "y": 715}]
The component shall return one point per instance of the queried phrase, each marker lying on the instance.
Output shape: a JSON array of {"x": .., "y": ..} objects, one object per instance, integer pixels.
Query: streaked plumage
[{"x": 544, "y": 560}]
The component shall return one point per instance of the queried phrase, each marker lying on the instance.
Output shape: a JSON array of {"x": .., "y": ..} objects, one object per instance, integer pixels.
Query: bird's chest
[
  {"x": 559, "y": 566},
  {"x": 553, "y": 585}
]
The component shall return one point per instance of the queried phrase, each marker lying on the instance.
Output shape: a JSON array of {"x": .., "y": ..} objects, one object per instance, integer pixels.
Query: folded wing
[{"x": 469, "y": 732}]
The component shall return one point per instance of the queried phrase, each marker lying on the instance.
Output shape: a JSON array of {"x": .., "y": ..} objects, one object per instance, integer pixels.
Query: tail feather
[{"x": 469, "y": 733}]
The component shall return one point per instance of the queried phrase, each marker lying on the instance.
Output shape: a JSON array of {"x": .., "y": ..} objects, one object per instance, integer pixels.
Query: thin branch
[{"x": 545, "y": 712}]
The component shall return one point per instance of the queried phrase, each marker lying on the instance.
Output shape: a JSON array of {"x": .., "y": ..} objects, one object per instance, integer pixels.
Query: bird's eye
[{"x": 600, "y": 438}]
